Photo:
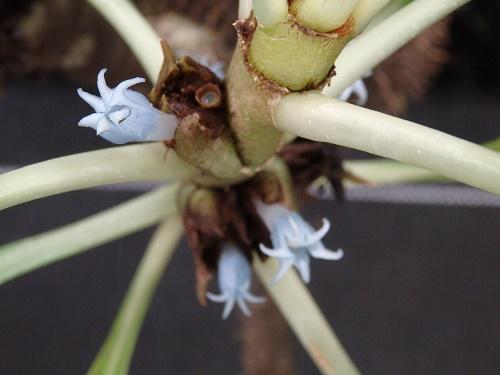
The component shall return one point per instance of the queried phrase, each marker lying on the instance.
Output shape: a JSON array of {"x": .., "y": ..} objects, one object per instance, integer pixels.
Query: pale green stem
[
  {"x": 365, "y": 12},
  {"x": 270, "y": 12},
  {"x": 319, "y": 118},
  {"x": 244, "y": 9},
  {"x": 387, "y": 11},
  {"x": 135, "y": 30},
  {"x": 145, "y": 162},
  {"x": 323, "y": 15},
  {"x": 371, "y": 48},
  {"x": 23, "y": 256},
  {"x": 116, "y": 353},
  {"x": 383, "y": 171},
  {"x": 306, "y": 320}
]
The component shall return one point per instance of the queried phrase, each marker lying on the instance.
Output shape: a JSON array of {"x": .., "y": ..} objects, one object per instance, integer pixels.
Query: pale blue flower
[
  {"x": 359, "y": 89},
  {"x": 234, "y": 276},
  {"x": 123, "y": 116},
  {"x": 294, "y": 240}
]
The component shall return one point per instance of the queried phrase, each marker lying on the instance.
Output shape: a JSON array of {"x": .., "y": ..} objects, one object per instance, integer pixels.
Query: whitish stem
[
  {"x": 383, "y": 171},
  {"x": 365, "y": 11},
  {"x": 244, "y": 9},
  {"x": 116, "y": 353},
  {"x": 114, "y": 165},
  {"x": 270, "y": 12},
  {"x": 135, "y": 30},
  {"x": 371, "y": 48},
  {"x": 323, "y": 15},
  {"x": 392, "y": 7},
  {"x": 306, "y": 320},
  {"x": 316, "y": 117},
  {"x": 23, "y": 256}
]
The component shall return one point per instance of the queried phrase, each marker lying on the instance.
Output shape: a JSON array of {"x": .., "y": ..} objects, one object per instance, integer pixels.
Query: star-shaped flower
[
  {"x": 234, "y": 276},
  {"x": 294, "y": 240},
  {"x": 359, "y": 89},
  {"x": 123, "y": 115}
]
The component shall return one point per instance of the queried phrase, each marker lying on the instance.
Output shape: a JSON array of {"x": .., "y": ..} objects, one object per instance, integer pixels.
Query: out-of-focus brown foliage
[
  {"x": 408, "y": 73},
  {"x": 68, "y": 36}
]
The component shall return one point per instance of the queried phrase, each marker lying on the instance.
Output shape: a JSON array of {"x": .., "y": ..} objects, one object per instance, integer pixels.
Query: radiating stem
[
  {"x": 323, "y": 15},
  {"x": 145, "y": 162},
  {"x": 366, "y": 10},
  {"x": 383, "y": 171},
  {"x": 316, "y": 117},
  {"x": 270, "y": 12},
  {"x": 23, "y": 256},
  {"x": 116, "y": 353},
  {"x": 392, "y": 7},
  {"x": 244, "y": 9},
  {"x": 135, "y": 30},
  {"x": 370, "y": 49},
  {"x": 306, "y": 320}
]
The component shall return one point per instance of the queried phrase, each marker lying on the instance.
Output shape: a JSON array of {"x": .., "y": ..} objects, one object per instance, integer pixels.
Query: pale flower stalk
[
  {"x": 294, "y": 240},
  {"x": 234, "y": 277},
  {"x": 124, "y": 116}
]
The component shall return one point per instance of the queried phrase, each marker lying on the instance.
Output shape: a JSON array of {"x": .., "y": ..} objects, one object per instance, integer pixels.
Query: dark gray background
[{"x": 417, "y": 292}]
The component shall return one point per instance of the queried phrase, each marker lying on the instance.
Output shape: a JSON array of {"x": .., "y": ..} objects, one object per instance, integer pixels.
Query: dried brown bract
[{"x": 308, "y": 161}]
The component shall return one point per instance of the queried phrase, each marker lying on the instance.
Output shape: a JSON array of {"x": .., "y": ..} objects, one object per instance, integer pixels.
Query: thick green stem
[
  {"x": 135, "y": 30},
  {"x": 23, "y": 256},
  {"x": 270, "y": 12},
  {"x": 373, "y": 47},
  {"x": 323, "y": 15},
  {"x": 251, "y": 120},
  {"x": 306, "y": 320},
  {"x": 116, "y": 353},
  {"x": 291, "y": 55},
  {"x": 145, "y": 162},
  {"x": 316, "y": 117}
]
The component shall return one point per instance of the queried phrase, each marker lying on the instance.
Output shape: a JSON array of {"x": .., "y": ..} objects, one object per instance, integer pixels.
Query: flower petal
[
  {"x": 319, "y": 234},
  {"x": 104, "y": 125},
  {"x": 118, "y": 116},
  {"x": 284, "y": 266},
  {"x": 253, "y": 298},
  {"x": 302, "y": 264},
  {"x": 243, "y": 306},
  {"x": 219, "y": 298},
  {"x": 105, "y": 91},
  {"x": 320, "y": 252},
  {"x": 228, "y": 307},
  {"x": 90, "y": 120},
  {"x": 94, "y": 101},
  {"x": 276, "y": 253}
]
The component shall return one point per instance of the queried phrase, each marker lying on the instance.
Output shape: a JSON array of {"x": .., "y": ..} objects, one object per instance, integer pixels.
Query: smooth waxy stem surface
[
  {"x": 270, "y": 12},
  {"x": 323, "y": 15},
  {"x": 319, "y": 118}
]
